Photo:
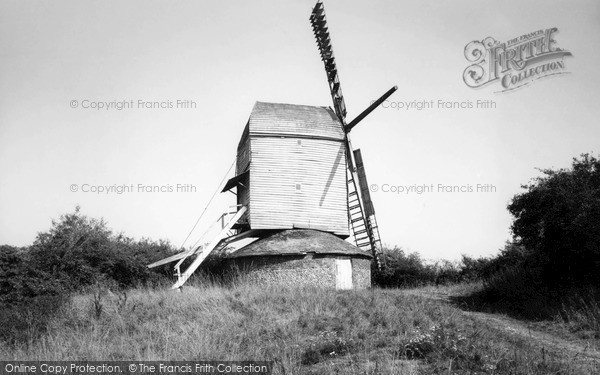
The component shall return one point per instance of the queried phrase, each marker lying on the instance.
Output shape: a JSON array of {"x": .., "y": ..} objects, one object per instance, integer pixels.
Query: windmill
[{"x": 301, "y": 189}]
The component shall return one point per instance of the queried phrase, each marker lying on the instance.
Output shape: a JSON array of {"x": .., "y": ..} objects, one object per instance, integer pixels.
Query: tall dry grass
[
  {"x": 303, "y": 331},
  {"x": 580, "y": 312}
]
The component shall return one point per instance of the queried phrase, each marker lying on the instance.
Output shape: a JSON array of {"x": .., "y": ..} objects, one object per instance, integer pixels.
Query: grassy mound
[{"x": 308, "y": 331}]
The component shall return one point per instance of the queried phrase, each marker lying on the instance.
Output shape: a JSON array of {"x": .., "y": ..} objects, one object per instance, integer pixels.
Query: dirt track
[{"x": 573, "y": 350}]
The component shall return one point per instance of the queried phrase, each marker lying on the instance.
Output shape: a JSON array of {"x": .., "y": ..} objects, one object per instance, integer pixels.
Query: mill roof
[
  {"x": 293, "y": 119},
  {"x": 299, "y": 241}
]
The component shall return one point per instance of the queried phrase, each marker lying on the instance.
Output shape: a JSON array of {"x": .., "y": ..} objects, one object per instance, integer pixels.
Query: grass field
[{"x": 303, "y": 331}]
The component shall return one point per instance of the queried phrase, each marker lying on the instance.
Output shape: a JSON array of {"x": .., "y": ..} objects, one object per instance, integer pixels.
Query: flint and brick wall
[{"x": 300, "y": 270}]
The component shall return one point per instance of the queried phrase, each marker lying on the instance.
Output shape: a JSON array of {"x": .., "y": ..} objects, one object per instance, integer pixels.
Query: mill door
[{"x": 343, "y": 274}]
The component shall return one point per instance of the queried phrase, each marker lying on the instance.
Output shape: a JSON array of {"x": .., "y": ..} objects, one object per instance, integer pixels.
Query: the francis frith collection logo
[{"x": 515, "y": 63}]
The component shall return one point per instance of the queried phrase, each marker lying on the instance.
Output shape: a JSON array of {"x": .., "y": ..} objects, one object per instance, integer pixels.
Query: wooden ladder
[
  {"x": 361, "y": 211},
  {"x": 377, "y": 248},
  {"x": 360, "y": 230},
  {"x": 182, "y": 277}
]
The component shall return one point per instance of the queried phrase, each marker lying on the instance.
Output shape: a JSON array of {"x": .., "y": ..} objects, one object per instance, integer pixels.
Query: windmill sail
[
  {"x": 321, "y": 31},
  {"x": 361, "y": 213}
]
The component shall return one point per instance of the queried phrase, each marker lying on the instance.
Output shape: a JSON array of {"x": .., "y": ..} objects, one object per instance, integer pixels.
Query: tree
[
  {"x": 19, "y": 280},
  {"x": 558, "y": 221},
  {"x": 401, "y": 269},
  {"x": 71, "y": 248},
  {"x": 84, "y": 251}
]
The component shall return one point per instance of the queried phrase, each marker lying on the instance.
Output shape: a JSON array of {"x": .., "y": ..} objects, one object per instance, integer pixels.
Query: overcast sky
[{"x": 226, "y": 55}]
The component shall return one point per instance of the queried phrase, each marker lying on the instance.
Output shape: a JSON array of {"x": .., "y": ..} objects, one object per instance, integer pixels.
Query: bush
[
  {"x": 21, "y": 280},
  {"x": 400, "y": 269},
  {"x": 25, "y": 320},
  {"x": 558, "y": 221},
  {"x": 472, "y": 269},
  {"x": 76, "y": 253},
  {"x": 29, "y": 297},
  {"x": 447, "y": 272},
  {"x": 83, "y": 251},
  {"x": 556, "y": 248}
]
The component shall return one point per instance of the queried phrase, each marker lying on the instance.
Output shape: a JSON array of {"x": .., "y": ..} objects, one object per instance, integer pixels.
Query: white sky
[{"x": 227, "y": 55}]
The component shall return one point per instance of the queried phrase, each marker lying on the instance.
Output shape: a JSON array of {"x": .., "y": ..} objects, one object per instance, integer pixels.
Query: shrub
[
  {"x": 556, "y": 248},
  {"x": 401, "y": 269},
  {"x": 84, "y": 251},
  {"x": 409, "y": 270},
  {"x": 472, "y": 269},
  {"x": 29, "y": 297},
  {"x": 27, "y": 319},
  {"x": 20, "y": 279},
  {"x": 557, "y": 219}
]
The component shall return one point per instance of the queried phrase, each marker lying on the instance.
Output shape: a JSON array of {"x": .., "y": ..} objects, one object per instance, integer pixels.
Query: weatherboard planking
[
  {"x": 317, "y": 166},
  {"x": 287, "y": 146}
]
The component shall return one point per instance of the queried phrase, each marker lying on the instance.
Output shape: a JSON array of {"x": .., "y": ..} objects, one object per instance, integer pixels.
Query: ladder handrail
[
  {"x": 207, "y": 250},
  {"x": 194, "y": 249}
]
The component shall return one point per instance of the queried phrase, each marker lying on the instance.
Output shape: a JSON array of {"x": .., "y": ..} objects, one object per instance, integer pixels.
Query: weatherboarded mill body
[
  {"x": 291, "y": 169},
  {"x": 301, "y": 191},
  {"x": 292, "y": 176}
]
